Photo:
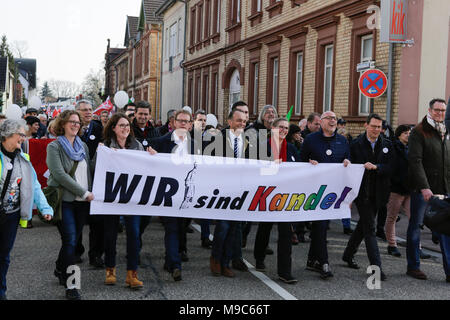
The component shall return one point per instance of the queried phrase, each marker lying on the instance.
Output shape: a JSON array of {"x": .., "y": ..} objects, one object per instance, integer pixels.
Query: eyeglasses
[
  {"x": 123, "y": 125},
  {"x": 22, "y": 135},
  {"x": 439, "y": 110},
  {"x": 329, "y": 118},
  {"x": 183, "y": 121},
  {"x": 74, "y": 123}
]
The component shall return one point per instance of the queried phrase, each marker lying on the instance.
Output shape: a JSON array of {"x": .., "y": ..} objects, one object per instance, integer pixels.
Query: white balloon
[
  {"x": 187, "y": 108},
  {"x": 211, "y": 120},
  {"x": 121, "y": 99},
  {"x": 35, "y": 102},
  {"x": 13, "y": 112}
]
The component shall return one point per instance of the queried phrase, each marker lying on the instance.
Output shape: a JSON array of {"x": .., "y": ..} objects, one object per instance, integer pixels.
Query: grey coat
[{"x": 59, "y": 165}]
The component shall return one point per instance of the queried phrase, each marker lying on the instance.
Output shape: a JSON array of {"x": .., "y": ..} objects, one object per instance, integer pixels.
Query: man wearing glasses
[
  {"x": 376, "y": 154},
  {"x": 92, "y": 135},
  {"x": 429, "y": 174},
  {"x": 323, "y": 146}
]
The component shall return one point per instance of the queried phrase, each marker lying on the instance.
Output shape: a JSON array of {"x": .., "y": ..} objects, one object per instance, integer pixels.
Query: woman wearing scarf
[
  {"x": 281, "y": 151},
  {"x": 64, "y": 155}
]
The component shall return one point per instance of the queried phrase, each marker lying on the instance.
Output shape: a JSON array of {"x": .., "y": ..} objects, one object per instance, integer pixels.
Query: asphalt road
[{"x": 30, "y": 275}]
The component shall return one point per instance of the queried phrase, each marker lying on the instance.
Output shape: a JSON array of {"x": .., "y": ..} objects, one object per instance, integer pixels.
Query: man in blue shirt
[{"x": 323, "y": 146}]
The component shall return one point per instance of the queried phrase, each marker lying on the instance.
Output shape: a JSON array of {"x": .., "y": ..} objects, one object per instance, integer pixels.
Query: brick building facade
[{"x": 300, "y": 53}]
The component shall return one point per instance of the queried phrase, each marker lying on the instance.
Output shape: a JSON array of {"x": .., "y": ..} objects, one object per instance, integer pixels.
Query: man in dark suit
[
  {"x": 234, "y": 144},
  {"x": 178, "y": 142},
  {"x": 142, "y": 127},
  {"x": 376, "y": 154},
  {"x": 92, "y": 135}
]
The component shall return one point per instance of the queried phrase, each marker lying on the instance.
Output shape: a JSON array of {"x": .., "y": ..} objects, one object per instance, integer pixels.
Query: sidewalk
[{"x": 401, "y": 228}]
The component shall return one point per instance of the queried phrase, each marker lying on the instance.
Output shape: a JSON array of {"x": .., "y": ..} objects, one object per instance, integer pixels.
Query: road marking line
[{"x": 261, "y": 276}]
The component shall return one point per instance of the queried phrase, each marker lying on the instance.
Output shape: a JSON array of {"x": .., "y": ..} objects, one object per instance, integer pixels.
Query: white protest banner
[{"x": 129, "y": 182}]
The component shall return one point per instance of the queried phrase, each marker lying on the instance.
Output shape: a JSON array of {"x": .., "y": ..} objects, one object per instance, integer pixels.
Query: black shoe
[
  {"x": 206, "y": 243},
  {"x": 393, "y": 251},
  {"x": 288, "y": 279},
  {"x": 348, "y": 231},
  {"x": 184, "y": 256},
  {"x": 424, "y": 256},
  {"x": 383, "y": 276},
  {"x": 351, "y": 263},
  {"x": 73, "y": 294},
  {"x": 176, "y": 274},
  {"x": 313, "y": 265},
  {"x": 239, "y": 264},
  {"x": 97, "y": 262},
  {"x": 435, "y": 239},
  {"x": 269, "y": 251},
  {"x": 189, "y": 230},
  {"x": 260, "y": 266},
  {"x": 325, "y": 271},
  {"x": 29, "y": 224},
  {"x": 58, "y": 274},
  {"x": 398, "y": 219},
  {"x": 381, "y": 235}
]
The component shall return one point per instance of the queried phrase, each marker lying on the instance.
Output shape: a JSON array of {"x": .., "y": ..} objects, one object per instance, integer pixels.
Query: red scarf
[{"x": 282, "y": 154}]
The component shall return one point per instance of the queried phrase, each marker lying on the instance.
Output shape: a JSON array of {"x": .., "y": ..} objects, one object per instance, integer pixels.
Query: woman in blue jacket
[{"x": 20, "y": 189}]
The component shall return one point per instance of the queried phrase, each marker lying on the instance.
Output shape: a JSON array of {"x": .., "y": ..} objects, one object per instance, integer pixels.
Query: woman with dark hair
[
  {"x": 294, "y": 137},
  {"x": 70, "y": 169},
  {"x": 118, "y": 135}
]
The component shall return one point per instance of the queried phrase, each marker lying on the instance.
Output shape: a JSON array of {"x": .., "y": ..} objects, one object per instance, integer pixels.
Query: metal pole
[{"x": 390, "y": 81}]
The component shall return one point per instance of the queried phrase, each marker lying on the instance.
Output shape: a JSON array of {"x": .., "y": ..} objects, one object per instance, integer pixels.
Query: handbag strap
[
  {"x": 74, "y": 168},
  {"x": 5, "y": 185}
]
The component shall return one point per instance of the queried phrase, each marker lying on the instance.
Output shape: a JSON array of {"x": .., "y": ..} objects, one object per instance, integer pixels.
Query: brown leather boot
[
  {"x": 110, "y": 276},
  {"x": 132, "y": 280},
  {"x": 215, "y": 266}
]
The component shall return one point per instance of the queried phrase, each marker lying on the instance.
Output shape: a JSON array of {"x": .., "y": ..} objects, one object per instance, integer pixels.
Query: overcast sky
[{"x": 66, "y": 37}]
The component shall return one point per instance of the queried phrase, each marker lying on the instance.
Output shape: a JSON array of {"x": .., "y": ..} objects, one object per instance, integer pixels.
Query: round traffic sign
[{"x": 373, "y": 83}]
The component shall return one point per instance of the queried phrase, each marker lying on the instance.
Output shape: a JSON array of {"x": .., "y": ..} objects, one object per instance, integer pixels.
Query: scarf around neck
[
  {"x": 438, "y": 126},
  {"x": 76, "y": 153}
]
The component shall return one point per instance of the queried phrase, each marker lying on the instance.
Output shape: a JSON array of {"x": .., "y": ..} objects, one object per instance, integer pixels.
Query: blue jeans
[
  {"x": 205, "y": 232},
  {"x": 74, "y": 217},
  {"x": 171, "y": 242},
  {"x": 418, "y": 206},
  {"x": 8, "y": 232},
  {"x": 133, "y": 243},
  {"x": 222, "y": 247},
  {"x": 346, "y": 223}
]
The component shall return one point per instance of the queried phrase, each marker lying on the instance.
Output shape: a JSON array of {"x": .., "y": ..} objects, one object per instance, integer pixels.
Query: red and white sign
[
  {"x": 394, "y": 21},
  {"x": 105, "y": 106},
  {"x": 373, "y": 83}
]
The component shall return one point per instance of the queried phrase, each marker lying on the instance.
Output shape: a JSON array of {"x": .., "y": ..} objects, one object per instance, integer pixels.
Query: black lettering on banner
[
  {"x": 147, "y": 189},
  {"x": 121, "y": 185},
  {"x": 162, "y": 194}
]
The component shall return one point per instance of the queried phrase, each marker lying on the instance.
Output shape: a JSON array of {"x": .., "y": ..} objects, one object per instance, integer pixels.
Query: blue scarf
[{"x": 76, "y": 153}]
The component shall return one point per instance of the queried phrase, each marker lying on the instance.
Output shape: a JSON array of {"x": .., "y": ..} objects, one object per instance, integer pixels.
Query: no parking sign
[{"x": 373, "y": 83}]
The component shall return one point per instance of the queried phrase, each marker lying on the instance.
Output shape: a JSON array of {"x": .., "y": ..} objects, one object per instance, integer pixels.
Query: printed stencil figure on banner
[{"x": 189, "y": 188}]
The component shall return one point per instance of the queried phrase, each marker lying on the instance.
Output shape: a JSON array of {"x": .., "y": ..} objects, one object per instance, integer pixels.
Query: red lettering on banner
[
  {"x": 398, "y": 19},
  {"x": 260, "y": 198}
]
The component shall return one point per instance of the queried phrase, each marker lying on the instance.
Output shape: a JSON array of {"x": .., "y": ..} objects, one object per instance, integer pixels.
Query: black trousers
[
  {"x": 381, "y": 218},
  {"x": 318, "y": 247},
  {"x": 365, "y": 230},
  {"x": 284, "y": 248},
  {"x": 96, "y": 238}
]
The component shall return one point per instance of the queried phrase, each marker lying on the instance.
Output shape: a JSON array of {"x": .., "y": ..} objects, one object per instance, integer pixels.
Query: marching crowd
[{"x": 404, "y": 169}]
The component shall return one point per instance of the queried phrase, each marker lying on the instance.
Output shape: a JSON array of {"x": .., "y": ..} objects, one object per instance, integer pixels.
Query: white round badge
[
  {"x": 293, "y": 159},
  {"x": 385, "y": 150},
  {"x": 9, "y": 166},
  {"x": 329, "y": 152},
  {"x": 145, "y": 143},
  {"x": 92, "y": 137}
]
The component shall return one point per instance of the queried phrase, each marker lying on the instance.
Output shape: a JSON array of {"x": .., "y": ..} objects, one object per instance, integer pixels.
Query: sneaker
[
  {"x": 288, "y": 279},
  {"x": 313, "y": 265},
  {"x": 260, "y": 266},
  {"x": 393, "y": 251},
  {"x": 73, "y": 294},
  {"x": 326, "y": 273}
]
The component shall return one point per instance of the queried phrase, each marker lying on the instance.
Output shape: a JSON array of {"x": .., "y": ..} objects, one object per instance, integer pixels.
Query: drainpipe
[
  {"x": 184, "y": 53},
  {"x": 390, "y": 82}
]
